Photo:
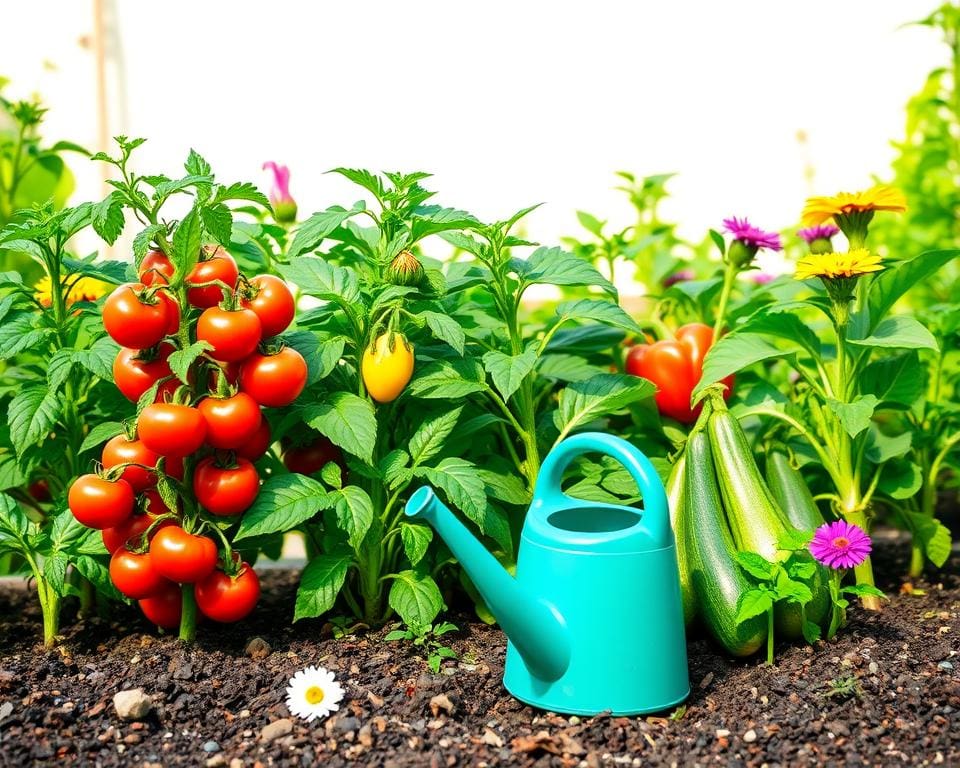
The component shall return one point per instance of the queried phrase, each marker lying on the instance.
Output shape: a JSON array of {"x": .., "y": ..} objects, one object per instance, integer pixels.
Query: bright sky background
[{"x": 507, "y": 103}]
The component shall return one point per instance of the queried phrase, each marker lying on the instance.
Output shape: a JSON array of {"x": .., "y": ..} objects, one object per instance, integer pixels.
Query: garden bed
[{"x": 886, "y": 691}]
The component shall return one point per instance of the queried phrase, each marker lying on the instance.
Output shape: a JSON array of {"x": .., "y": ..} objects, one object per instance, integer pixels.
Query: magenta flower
[
  {"x": 819, "y": 232},
  {"x": 762, "y": 278},
  {"x": 680, "y": 276},
  {"x": 840, "y": 545},
  {"x": 284, "y": 206},
  {"x": 751, "y": 236}
]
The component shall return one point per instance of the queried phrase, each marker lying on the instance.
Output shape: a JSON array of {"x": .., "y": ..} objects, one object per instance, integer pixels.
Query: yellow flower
[
  {"x": 878, "y": 198},
  {"x": 84, "y": 289},
  {"x": 836, "y": 265}
]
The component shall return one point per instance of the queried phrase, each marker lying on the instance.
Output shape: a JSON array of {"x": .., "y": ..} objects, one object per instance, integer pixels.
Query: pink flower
[
  {"x": 819, "y": 232},
  {"x": 751, "y": 236},
  {"x": 284, "y": 206},
  {"x": 762, "y": 278},
  {"x": 840, "y": 545}
]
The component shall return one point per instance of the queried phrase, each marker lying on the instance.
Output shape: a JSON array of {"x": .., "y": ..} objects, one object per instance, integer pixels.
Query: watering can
[{"x": 593, "y": 617}]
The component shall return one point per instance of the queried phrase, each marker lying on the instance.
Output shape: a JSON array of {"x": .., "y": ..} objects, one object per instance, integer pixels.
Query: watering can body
[{"x": 593, "y": 618}]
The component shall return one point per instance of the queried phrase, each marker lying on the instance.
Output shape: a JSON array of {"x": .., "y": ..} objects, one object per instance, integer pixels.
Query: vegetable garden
[{"x": 250, "y": 382}]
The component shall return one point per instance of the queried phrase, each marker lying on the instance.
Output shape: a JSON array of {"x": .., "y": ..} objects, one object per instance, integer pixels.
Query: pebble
[
  {"x": 574, "y": 720},
  {"x": 441, "y": 702},
  {"x": 236, "y": 763},
  {"x": 217, "y": 761},
  {"x": 211, "y": 746},
  {"x": 491, "y": 739},
  {"x": 750, "y": 736},
  {"x": 6, "y": 709},
  {"x": 133, "y": 704},
  {"x": 722, "y": 733},
  {"x": 257, "y": 648},
  {"x": 945, "y": 665},
  {"x": 873, "y": 667},
  {"x": 346, "y": 724},
  {"x": 276, "y": 729}
]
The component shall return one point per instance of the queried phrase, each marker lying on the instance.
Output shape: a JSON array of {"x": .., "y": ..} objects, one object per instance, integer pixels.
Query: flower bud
[
  {"x": 405, "y": 269},
  {"x": 284, "y": 206},
  {"x": 741, "y": 253}
]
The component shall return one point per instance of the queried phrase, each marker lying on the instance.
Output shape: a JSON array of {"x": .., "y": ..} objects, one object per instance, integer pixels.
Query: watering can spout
[{"x": 533, "y": 625}]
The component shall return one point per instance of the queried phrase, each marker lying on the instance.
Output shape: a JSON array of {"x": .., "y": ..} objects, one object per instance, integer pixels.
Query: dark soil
[{"x": 885, "y": 692}]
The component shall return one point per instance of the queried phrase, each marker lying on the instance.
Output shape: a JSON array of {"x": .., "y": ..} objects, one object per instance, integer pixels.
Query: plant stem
[
  {"x": 770, "y": 637},
  {"x": 188, "y": 616},
  {"x": 729, "y": 276},
  {"x": 864, "y": 571}
]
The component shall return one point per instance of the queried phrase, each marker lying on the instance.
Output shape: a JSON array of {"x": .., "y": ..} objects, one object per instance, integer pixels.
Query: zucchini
[
  {"x": 756, "y": 520},
  {"x": 677, "y": 504},
  {"x": 718, "y": 582},
  {"x": 791, "y": 492}
]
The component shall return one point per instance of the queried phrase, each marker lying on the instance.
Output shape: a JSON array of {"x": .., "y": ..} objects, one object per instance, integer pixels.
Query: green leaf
[
  {"x": 144, "y": 239},
  {"x": 591, "y": 223},
  {"x": 428, "y": 440},
  {"x": 55, "y": 572},
  {"x": 811, "y": 631},
  {"x": 168, "y": 187},
  {"x": 218, "y": 221},
  {"x": 242, "y": 190},
  {"x": 99, "y": 434},
  {"x": 584, "y": 401},
  {"x": 856, "y": 416},
  {"x": 899, "y": 331},
  {"x": 792, "y": 540},
  {"x": 99, "y": 358},
  {"x": 369, "y": 181},
  {"x": 320, "y": 583},
  {"x": 19, "y": 334},
  {"x": 181, "y": 360},
  {"x": 566, "y": 368},
  {"x": 97, "y": 574},
  {"x": 416, "y": 539},
  {"x": 892, "y": 284},
  {"x": 462, "y": 484},
  {"x": 453, "y": 379},
  {"x": 430, "y": 220},
  {"x": 318, "y": 277},
  {"x": 554, "y": 266},
  {"x": 894, "y": 378},
  {"x": 113, "y": 272},
  {"x": 321, "y": 357},
  {"x": 863, "y": 590},
  {"x": 415, "y": 598},
  {"x": 332, "y": 475},
  {"x": 107, "y": 217},
  {"x": 792, "y": 591},
  {"x": 58, "y": 368},
  {"x": 754, "y": 602},
  {"x": 196, "y": 165},
  {"x": 186, "y": 244},
  {"x": 32, "y": 414},
  {"x": 348, "y": 420},
  {"x": 284, "y": 502},
  {"x": 881, "y": 447},
  {"x": 312, "y": 232},
  {"x": 446, "y": 329},
  {"x": 509, "y": 371},
  {"x": 11, "y": 473},
  {"x": 933, "y": 535},
  {"x": 14, "y": 523},
  {"x": 509, "y": 489},
  {"x": 393, "y": 468},
  {"x": 900, "y": 479},
  {"x": 354, "y": 514},
  {"x": 757, "y": 566},
  {"x": 605, "y": 312}
]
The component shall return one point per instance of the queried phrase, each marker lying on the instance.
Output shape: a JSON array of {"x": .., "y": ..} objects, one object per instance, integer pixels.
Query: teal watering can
[{"x": 593, "y": 617}]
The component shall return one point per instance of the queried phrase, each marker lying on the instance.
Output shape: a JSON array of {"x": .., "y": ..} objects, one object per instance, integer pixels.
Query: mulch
[{"x": 885, "y": 692}]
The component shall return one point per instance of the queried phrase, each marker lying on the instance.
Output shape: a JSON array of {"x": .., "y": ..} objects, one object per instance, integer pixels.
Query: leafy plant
[{"x": 426, "y": 639}]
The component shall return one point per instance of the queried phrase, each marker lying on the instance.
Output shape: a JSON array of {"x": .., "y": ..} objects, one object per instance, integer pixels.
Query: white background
[{"x": 507, "y": 103}]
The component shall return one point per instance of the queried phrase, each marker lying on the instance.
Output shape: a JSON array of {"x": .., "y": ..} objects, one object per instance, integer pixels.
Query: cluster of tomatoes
[{"x": 189, "y": 458}]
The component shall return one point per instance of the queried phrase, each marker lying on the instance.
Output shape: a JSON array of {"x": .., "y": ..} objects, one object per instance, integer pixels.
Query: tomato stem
[{"x": 188, "y": 615}]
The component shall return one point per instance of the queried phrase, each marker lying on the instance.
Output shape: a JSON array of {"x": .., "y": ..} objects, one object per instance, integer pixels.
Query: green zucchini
[
  {"x": 791, "y": 492},
  {"x": 756, "y": 519},
  {"x": 718, "y": 582},
  {"x": 677, "y": 504}
]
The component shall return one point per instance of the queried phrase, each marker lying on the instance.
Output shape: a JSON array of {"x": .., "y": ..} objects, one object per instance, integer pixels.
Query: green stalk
[
  {"x": 729, "y": 277},
  {"x": 770, "y": 637},
  {"x": 188, "y": 616},
  {"x": 50, "y": 606}
]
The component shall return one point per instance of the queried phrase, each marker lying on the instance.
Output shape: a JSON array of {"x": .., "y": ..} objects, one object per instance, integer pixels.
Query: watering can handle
[{"x": 656, "y": 517}]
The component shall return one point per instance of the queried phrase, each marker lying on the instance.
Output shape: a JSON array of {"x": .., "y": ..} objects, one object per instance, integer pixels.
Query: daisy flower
[
  {"x": 313, "y": 693},
  {"x": 878, "y": 198},
  {"x": 83, "y": 289},
  {"x": 840, "y": 545},
  {"x": 831, "y": 266}
]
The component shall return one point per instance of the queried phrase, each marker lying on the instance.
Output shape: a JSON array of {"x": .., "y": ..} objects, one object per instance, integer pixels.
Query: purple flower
[
  {"x": 762, "y": 278},
  {"x": 751, "y": 236},
  {"x": 840, "y": 545},
  {"x": 284, "y": 206},
  {"x": 819, "y": 232},
  {"x": 680, "y": 276}
]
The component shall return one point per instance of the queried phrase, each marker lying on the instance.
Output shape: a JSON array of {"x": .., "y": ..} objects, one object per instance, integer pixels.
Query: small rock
[
  {"x": 574, "y": 720},
  {"x": 945, "y": 665},
  {"x": 346, "y": 724},
  {"x": 132, "y": 705},
  {"x": 132, "y": 738},
  {"x": 211, "y": 746},
  {"x": 217, "y": 761},
  {"x": 258, "y": 648},
  {"x": 491, "y": 739},
  {"x": 6, "y": 709},
  {"x": 276, "y": 729},
  {"x": 236, "y": 763},
  {"x": 375, "y": 701},
  {"x": 873, "y": 667},
  {"x": 707, "y": 679},
  {"x": 722, "y": 733},
  {"x": 441, "y": 702},
  {"x": 750, "y": 736},
  {"x": 365, "y": 736}
]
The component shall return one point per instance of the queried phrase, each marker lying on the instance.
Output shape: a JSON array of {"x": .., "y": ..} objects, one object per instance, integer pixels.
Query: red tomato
[
  {"x": 173, "y": 313},
  {"x": 164, "y": 608},
  {"x": 100, "y": 503},
  {"x": 155, "y": 268},
  {"x": 119, "y": 450},
  {"x": 225, "y": 491},
  {"x": 233, "y": 334},
  {"x": 133, "y": 323},
  {"x": 134, "y": 527},
  {"x": 173, "y": 466},
  {"x": 273, "y": 302},
  {"x": 133, "y": 574},
  {"x": 231, "y": 421},
  {"x": 171, "y": 430},
  {"x": 675, "y": 366},
  {"x": 40, "y": 491},
  {"x": 218, "y": 266},
  {"x": 134, "y": 374},
  {"x": 228, "y": 598},
  {"x": 312, "y": 457},
  {"x": 274, "y": 380},
  {"x": 181, "y": 556},
  {"x": 258, "y": 445}
]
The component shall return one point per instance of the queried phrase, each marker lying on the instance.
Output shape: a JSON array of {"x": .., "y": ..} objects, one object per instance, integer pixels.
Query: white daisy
[{"x": 313, "y": 693}]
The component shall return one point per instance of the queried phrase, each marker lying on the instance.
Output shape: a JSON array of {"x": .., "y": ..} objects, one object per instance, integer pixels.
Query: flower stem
[
  {"x": 864, "y": 571},
  {"x": 729, "y": 276}
]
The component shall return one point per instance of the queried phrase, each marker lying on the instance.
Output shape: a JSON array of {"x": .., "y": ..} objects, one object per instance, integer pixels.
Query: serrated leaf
[
  {"x": 312, "y": 232},
  {"x": 58, "y": 368},
  {"x": 144, "y": 239},
  {"x": 393, "y": 468},
  {"x": 446, "y": 329},
  {"x": 99, "y": 358},
  {"x": 605, "y": 312},
  {"x": 320, "y": 583},
  {"x": 99, "y": 434},
  {"x": 754, "y": 602},
  {"x": 218, "y": 221},
  {"x": 323, "y": 280},
  {"x": 566, "y": 368},
  {"x": 415, "y": 598},
  {"x": 107, "y": 217},
  {"x": 447, "y": 379},
  {"x": 181, "y": 360},
  {"x": 429, "y": 438},
  {"x": 509, "y": 489},
  {"x": 863, "y": 590},
  {"x": 362, "y": 177},
  {"x": 554, "y": 266},
  {"x": 186, "y": 244},
  {"x": 332, "y": 475},
  {"x": 113, "y": 272},
  {"x": 97, "y": 574},
  {"x": 55, "y": 572},
  {"x": 32, "y": 414},
  {"x": 757, "y": 566},
  {"x": 461, "y": 483},
  {"x": 431, "y": 220},
  {"x": 932, "y": 535},
  {"x": 354, "y": 511},
  {"x": 509, "y": 371},
  {"x": 416, "y": 540},
  {"x": 811, "y": 631},
  {"x": 19, "y": 334},
  {"x": 11, "y": 473},
  {"x": 243, "y": 190},
  {"x": 169, "y": 187},
  {"x": 792, "y": 539},
  {"x": 584, "y": 401},
  {"x": 349, "y": 421},
  {"x": 284, "y": 502},
  {"x": 856, "y": 416},
  {"x": 196, "y": 165},
  {"x": 321, "y": 356}
]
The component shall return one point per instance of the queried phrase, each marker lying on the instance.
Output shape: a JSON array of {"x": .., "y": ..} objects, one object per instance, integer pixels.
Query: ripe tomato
[
  {"x": 134, "y": 575},
  {"x": 225, "y": 491},
  {"x": 386, "y": 372},
  {"x": 39, "y": 490},
  {"x": 233, "y": 334},
  {"x": 231, "y": 421},
  {"x": 228, "y": 598},
  {"x": 131, "y": 529},
  {"x": 173, "y": 313},
  {"x": 219, "y": 265},
  {"x": 274, "y": 380},
  {"x": 273, "y": 302},
  {"x": 170, "y": 429},
  {"x": 119, "y": 450},
  {"x": 133, "y": 323},
  {"x": 100, "y": 503},
  {"x": 257, "y": 446},
  {"x": 312, "y": 457},
  {"x": 164, "y": 607},
  {"x": 134, "y": 373},
  {"x": 155, "y": 268},
  {"x": 181, "y": 556}
]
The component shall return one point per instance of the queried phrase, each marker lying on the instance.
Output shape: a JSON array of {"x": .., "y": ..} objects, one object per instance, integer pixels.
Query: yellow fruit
[{"x": 386, "y": 372}]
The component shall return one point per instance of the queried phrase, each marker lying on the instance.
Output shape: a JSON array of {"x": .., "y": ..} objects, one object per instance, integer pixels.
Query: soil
[{"x": 885, "y": 692}]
